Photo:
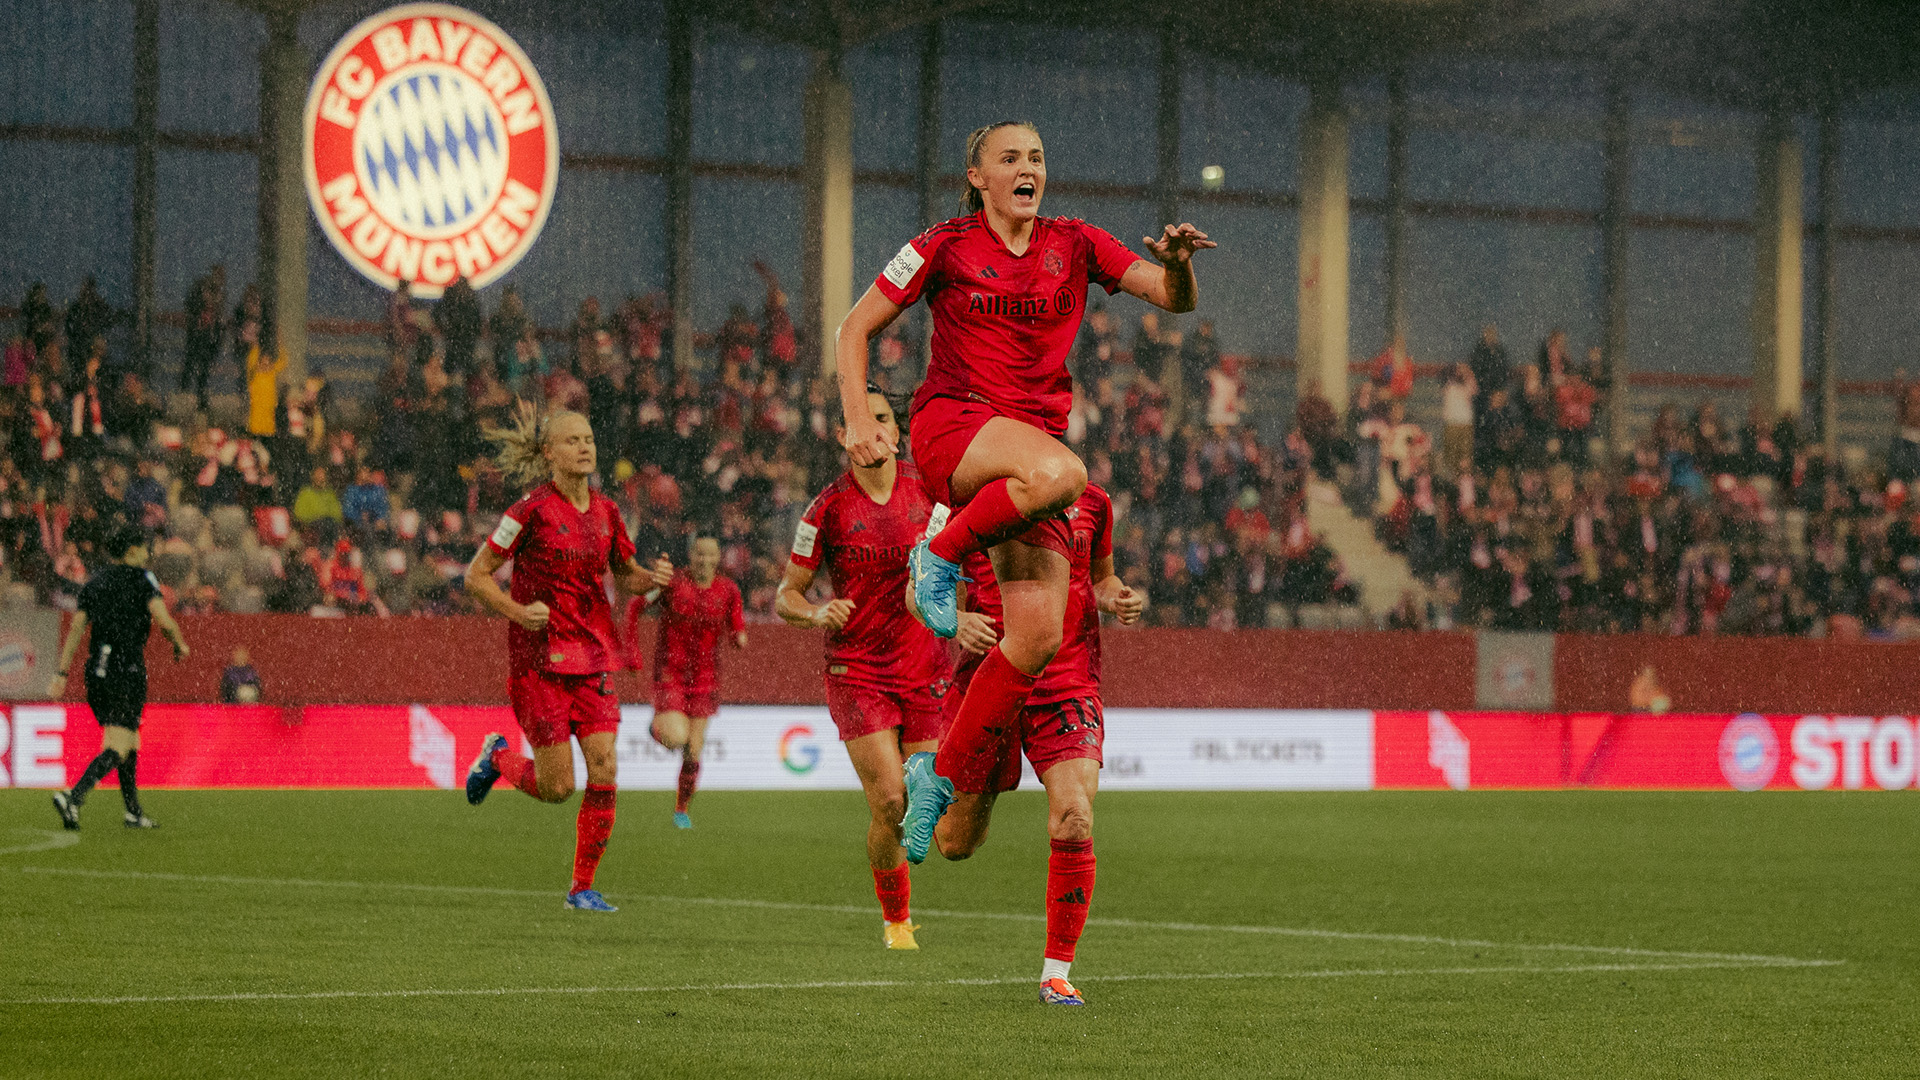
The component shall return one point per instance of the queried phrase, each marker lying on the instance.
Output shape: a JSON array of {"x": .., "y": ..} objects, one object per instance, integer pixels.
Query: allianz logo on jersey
[{"x": 994, "y": 306}]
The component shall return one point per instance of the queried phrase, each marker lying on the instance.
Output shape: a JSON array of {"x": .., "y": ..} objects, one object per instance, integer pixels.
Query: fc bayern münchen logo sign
[{"x": 431, "y": 152}]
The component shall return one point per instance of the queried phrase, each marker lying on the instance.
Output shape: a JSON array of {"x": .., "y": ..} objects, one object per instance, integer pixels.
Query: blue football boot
[
  {"x": 589, "y": 900},
  {"x": 934, "y": 587},
  {"x": 928, "y": 796},
  {"x": 481, "y": 774}
]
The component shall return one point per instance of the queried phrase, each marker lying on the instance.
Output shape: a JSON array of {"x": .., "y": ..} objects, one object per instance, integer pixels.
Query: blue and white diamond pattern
[{"x": 430, "y": 148}]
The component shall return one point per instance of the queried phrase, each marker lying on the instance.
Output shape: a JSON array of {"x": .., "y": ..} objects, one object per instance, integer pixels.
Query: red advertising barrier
[
  {"x": 415, "y": 746},
  {"x": 1746, "y": 752}
]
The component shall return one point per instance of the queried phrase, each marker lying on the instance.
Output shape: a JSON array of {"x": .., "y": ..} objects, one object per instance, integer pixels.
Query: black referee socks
[
  {"x": 106, "y": 762},
  {"x": 130, "y": 788}
]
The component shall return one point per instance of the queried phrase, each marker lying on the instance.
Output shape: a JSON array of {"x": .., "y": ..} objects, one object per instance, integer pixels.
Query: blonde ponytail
[{"x": 521, "y": 455}]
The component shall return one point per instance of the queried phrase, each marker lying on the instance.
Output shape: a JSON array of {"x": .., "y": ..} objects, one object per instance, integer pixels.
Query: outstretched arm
[{"x": 1170, "y": 285}]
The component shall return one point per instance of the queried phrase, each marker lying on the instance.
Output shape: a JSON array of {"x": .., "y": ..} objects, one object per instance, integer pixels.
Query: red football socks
[
  {"x": 595, "y": 825},
  {"x": 988, "y": 519},
  {"x": 1069, "y": 891},
  {"x": 893, "y": 888},
  {"x": 517, "y": 770},
  {"x": 689, "y": 780},
  {"x": 986, "y": 729}
]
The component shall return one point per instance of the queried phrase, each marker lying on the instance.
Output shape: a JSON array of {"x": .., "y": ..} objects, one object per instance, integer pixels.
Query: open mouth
[{"x": 1023, "y": 191}]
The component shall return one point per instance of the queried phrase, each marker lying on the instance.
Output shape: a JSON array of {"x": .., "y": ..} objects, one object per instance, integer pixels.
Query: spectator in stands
[
  {"x": 1093, "y": 356},
  {"x": 1457, "y": 395},
  {"x": 146, "y": 498},
  {"x": 1199, "y": 356},
  {"x": 240, "y": 682},
  {"x": 1392, "y": 371},
  {"x": 265, "y": 364},
  {"x": 19, "y": 362},
  {"x": 1314, "y": 418},
  {"x": 1492, "y": 370},
  {"x": 366, "y": 506},
  {"x": 318, "y": 502},
  {"x": 458, "y": 319},
  {"x": 206, "y": 331},
  {"x": 38, "y": 323},
  {"x": 1903, "y": 454},
  {"x": 1153, "y": 344},
  {"x": 402, "y": 326},
  {"x": 1573, "y": 400},
  {"x": 88, "y": 316},
  {"x": 1226, "y": 392}
]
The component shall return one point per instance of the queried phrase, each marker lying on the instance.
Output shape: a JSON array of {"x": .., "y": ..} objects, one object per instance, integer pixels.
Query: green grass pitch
[{"x": 1486, "y": 935}]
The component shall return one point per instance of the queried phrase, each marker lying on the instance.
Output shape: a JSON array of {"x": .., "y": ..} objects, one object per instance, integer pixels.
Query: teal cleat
[
  {"x": 933, "y": 589},
  {"x": 681, "y": 820},
  {"x": 928, "y": 796}
]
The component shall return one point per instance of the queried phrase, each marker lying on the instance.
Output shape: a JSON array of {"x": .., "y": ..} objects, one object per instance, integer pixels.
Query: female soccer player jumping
[
  {"x": 696, "y": 609},
  {"x": 886, "y": 675},
  {"x": 561, "y": 648},
  {"x": 1061, "y": 729},
  {"x": 1006, "y": 288}
]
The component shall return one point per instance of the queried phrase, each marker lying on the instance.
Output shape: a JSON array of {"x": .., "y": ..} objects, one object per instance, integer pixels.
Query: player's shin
[
  {"x": 688, "y": 784},
  {"x": 97, "y": 769},
  {"x": 1069, "y": 894},
  {"x": 592, "y": 829},
  {"x": 894, "y": 889},
  {"x": 129, "y": 786},
  {"x": 984, "y": 731}
]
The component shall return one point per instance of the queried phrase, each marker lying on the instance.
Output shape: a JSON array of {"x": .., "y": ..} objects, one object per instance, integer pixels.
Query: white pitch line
[
  {"x": 1006, "y": 916},
  {"x": 860, "y": 984},
  {"x": 50, "y": 840}
]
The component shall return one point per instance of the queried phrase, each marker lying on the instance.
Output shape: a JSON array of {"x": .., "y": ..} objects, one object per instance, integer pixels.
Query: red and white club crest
[{"x": 431, "y": 151}]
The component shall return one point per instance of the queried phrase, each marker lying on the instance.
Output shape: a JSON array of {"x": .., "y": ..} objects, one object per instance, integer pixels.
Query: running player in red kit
[
  {"x": 1006, "y": 288},
  {"x": 1061, "y": 731},
  {"x": 697, "y": 609},
  {"x": 886, "y": 674},
  {"x": 562, "y": 537}
]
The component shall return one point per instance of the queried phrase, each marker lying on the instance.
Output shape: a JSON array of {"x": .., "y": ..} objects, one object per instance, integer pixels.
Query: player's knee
[
  {"x": 555, "y": 791},
  {"x": 1031, "y": 649},
  {"x": 603, "y": 767},
  {"x": 888, "y": 808},
  {"x": 958, "y": 848},
  {"x": 1058, "y": 480},
  {"x": 1073, "y": 822}
]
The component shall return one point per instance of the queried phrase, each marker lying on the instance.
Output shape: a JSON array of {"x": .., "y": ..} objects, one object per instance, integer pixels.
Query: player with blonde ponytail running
[{"x": 562, "y": 536}]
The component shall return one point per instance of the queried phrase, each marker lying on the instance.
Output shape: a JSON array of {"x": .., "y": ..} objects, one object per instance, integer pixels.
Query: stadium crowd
[{"x": 1513, "y": 514}]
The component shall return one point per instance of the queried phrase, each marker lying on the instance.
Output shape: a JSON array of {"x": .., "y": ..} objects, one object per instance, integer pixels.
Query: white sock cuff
[{"x": 1054, "y": 969}]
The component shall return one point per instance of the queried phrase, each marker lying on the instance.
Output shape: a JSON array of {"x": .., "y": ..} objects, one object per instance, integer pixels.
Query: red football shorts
[
  {"x": 941, "y": 431},
  {"x": 1050, "y": 732},
  {"x": 675, "y": 697},
  {"x": 553, "y": 707},
  {"x": 858, "y": 709}
]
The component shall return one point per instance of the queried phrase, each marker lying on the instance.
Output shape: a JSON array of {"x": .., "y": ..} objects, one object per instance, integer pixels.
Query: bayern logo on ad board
[{"x": 431, "y": 151}]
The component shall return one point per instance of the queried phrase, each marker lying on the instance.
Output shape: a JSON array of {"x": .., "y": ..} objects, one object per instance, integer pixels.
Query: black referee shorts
[{"x": 117, "y": 698}]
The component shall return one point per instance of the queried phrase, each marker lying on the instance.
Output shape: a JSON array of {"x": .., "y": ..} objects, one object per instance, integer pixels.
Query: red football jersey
[
  {"x": 559, "y": 555},
  {"x": 1003, "y": 324},
  {"x": 693, "y": 622},
  {"x": 1075, "y": 669},
  {"x": 864, "y": 546}
]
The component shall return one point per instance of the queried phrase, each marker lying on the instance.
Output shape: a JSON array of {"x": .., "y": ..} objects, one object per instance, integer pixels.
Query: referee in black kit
[{"x": 121, "y": 603}]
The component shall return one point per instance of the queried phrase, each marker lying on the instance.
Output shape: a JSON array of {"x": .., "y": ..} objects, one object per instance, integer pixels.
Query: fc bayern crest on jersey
[{"x": 431, "y": 151}]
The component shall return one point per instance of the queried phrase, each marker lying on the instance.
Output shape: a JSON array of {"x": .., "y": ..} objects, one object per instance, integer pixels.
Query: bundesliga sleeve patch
[
  {"x": 803, "y": 538},
  {"x": 504, "y": 536},
  {"x": 904, "y": 265}
]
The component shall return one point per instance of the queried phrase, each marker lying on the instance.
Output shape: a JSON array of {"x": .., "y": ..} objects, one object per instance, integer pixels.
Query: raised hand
[
  {"x": 867, "y": 444},
  {"x": 1177, "y": 243}
]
